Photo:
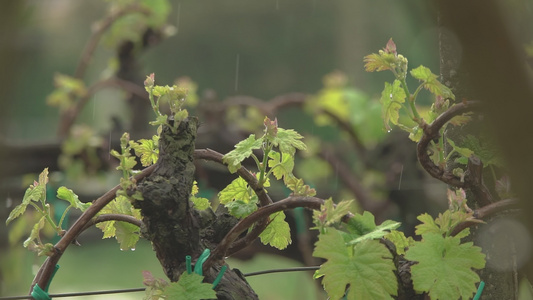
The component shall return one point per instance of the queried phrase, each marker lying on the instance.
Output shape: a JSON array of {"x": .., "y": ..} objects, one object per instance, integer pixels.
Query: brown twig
[
  {"x": 487, "y": 211},
  {"x": 356, "y": 140},
  {"x": 264, "y": 198},
  {"x": 262, "y": 213},
  {"x": 351, "y": 181},
  {"x": 44, "y": 274},
  {"x": 474, "y": 180},
  {"x": 113, "y": 217},
  {"x": 431, "y": 132},
  {"x": 287, "y": 100},
  {"x": 212, "y": 155}
]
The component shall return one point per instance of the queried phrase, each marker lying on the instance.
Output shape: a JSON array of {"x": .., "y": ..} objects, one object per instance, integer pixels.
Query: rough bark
[{"x": 173, "y": 226}]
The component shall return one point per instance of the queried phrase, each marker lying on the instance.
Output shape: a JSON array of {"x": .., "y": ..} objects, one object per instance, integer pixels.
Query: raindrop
[
  {"x": 109, "y": 149},
  {"x": 388, "y": 131},
  {"x": 237, "y": 72},
  {"x": 400, "y": 181},
  {"x": 390, "y": 95},
  {"x": 178, "y": 19},
  {"x": 35, "y": 268},
  {"x": 94, "y": 106},
  {"x": 9, "y": 202},
  {"x": 132, "y": 249},
  {"x": 121, "y": 249}
]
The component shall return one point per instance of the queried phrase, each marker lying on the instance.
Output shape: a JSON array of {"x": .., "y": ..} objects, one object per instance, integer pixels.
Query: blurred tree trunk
[
  {"x": 13, "y": 17},
  {"x": 479, "y": 61}
]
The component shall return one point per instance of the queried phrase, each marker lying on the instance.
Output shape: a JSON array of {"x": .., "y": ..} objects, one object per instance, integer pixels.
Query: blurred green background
[{"x": 278, "y": 46}]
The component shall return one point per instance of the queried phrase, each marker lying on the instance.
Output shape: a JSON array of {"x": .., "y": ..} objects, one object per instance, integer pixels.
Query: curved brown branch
[
  {"x": 262, "y": 213},
  {"x": 212, "y": 155},
  {"x": 287, "y": 100},
  {"x": 100, "y": 29},
  {"x": 264, "y": 198},
  {"x": 487, "y": 211},
  {"x": 43, "y": 276},
  {"x": 356, "y": 140},
  {"x": 113, "y": 217},
  {"x": 351, "y": 182},
  {"x": 474, "y": 181},
  {"x": 431, "y": 132}
]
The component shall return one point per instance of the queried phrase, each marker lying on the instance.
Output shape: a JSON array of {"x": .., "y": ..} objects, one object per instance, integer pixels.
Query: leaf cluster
[
  {"x": 359, "y": 266},
  {"x": 126, "y": 164},
  {"x": 126, "y": 234},
  {"x": 278, "y": 147},
  {"x": 67, "y": 88},
  {"x": 79, "y": 152},
  {"x": 396, "y": 95},
  {"x": 35, "y": 196},
  {"x": 174, "y": 96}
]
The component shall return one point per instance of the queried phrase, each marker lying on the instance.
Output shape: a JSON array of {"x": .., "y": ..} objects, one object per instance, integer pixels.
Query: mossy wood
[{"x": 173, "y": 226}]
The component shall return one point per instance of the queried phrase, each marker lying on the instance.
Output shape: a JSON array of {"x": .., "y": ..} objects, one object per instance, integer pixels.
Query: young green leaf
[
  {"x": 123, "y": 232},
  {"x": 147, "y": 150},
  {"x": 127, "y": 235},
  {"x": 200, "y": 203},
  {"x": 400, "y": 241},
  {"x": 278, "y": 232},
  {"x": 241, "y": 209},
  {"x": 236, "y": 190},
  {"x": 108, "y": 229},
  {"x": 330, "y": 213},
  {"x": 376, "y": 233},
  {"x": 154, "y": 286},
  {"x": 392, "y": 98},
  {"x": 298, "y": 187},
  {"x": 68, "y": 195},
  {"x": 367, "y": 268},
  {"x": 36, "y": 192},
  {"x": 465, "y": 152},
  {"x": 379, "y": 62},
  {"x": 242, "y": 151},
  {"x": 445, "y": 266},
  {"x": 43, "y": 178},
  {"x": 281, "y": 164},
  {"x": 189, "y": 287},
  {"x": 428, "y": 225},
  {"x": 33, "y": 193},
  {"x": 288, "y": 141},
  {"x": 415, "y": 133},
  {"x": 34, "y": 234},
  {"x": 159, "y": 120},
  {"x": 361, "y": 224},
  {"x": 431, "y": 83},
  {"x": 16, "y": 212}
]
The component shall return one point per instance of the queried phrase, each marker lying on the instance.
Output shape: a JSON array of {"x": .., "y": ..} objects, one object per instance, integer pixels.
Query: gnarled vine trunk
[{"x": 173, "y": 226}]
